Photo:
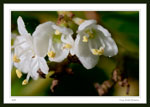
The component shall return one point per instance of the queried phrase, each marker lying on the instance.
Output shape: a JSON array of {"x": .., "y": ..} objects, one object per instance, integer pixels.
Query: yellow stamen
[
  {"x": 16, "y": 59},
  {"x": 19, "y": 74},
  {"x": 51, "y": 54},
  {"x": 25, "y": 82},
  {"x": 85, "y": 39},
  {"x": 57, "y": 32},
  {"x": 98, "y": 51},
  {"x": 68, "y": 46}
]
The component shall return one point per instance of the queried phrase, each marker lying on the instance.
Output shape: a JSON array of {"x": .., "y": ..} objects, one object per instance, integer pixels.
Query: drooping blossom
[{"x": 92, "y": 41}]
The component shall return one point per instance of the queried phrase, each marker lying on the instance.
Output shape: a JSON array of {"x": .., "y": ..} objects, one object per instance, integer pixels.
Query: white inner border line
[{"x": 142, "y": 98}]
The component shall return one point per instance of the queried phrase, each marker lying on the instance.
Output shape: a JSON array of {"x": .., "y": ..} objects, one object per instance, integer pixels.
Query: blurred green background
[{"x": 124, "y": 27}]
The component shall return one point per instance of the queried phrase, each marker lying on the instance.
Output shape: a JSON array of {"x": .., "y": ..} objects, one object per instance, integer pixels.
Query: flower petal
[
  {"x": 86, "y": 24},
  {"x": 34, "y": 67},
  {"x": 41, "y": 38},
  {"x": 96, "y": 42},
  {"x": 63, "y": 30},
  {"x": 111, "y": 48},
  {"x": 24, "y": 63},
  {"x": 21, "y": 45},
  {"x": 68, "y": 40},
  {"x": 84, "y": 54},
  {"x": 21, "y": 26},
  {"x": 61, "y": 53},
  {"x": 43, "y": 65}
]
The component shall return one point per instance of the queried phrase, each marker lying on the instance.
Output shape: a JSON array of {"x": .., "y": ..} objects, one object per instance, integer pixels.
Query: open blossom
[
  {"x": 92, "y": 41},
  {"x": 57, "y": 43},
  {"x": 61, "y": 44},
  {"x": 27, "y": 58}
]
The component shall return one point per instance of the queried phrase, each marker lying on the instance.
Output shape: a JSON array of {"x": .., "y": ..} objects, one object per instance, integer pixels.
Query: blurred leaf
[
  {"x": 107, "y": 64},
  {"x": 34, "y": 87}
]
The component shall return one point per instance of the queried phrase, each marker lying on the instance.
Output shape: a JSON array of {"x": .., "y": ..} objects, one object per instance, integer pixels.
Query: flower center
[
  {"x": 90, "y": 33},
  {"x": 67, "y": 46},
  {"x": 19, "y": 74},
  {"x": 98, "y": 51},
  {"x": 51, "y": 54},
  {"x": 16, "y": 59}
]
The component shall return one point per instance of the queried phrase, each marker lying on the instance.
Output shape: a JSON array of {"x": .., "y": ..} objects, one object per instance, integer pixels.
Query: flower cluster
[{"x": 92, "y": 40}]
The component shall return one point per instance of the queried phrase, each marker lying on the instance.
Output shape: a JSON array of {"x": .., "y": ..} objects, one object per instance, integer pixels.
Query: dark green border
[{"x": 74, "y": 1}]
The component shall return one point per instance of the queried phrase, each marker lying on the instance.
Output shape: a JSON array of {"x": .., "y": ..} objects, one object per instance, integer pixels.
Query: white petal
[
  {"x": 34, "y": 67},
  {"x": 68, "y": 40},
  {"x": 61, "y": 53},
  {"x": 24, "y": 64},
  {"x": 41, "y": 38},
  {"x": 103, "y": 30},
  {"x": 96, "y": 42},
  {"x": 111, "y": 48},
  {"x": 35, "y": 76},
  {"x": 36, "y": 64},
  {"x": 84, "y": 54},
  {"x": 63, "y": 30},
  {"x": 21, "y": 26},
  {"x": 86, "y": 24},
  {"x": 43, "y": 65},
  {"x": 72, "y": 51},
  {"x": 21, "y": 45}
]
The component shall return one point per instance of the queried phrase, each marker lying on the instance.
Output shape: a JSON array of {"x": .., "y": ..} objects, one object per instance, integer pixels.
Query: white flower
[
  {"x": 92, "y": 41},
  {"x": 57, "y": 42},
  {"x": 61, "y": 43},
  {"x": 29, "y": 58}
]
